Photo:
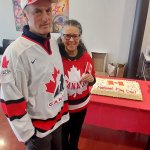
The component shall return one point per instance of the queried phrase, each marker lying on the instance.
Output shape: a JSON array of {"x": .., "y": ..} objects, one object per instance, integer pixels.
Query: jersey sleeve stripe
[
  {"x": 16, "y": 109},
  {"x": 16, "y": 117},
  {"x": 12, "y": 101}
]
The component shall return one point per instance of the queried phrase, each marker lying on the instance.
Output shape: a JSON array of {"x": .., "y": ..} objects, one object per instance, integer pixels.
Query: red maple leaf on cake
[
  {"x": 51, "y": 86},
  {"x": 5, "y": 62}
]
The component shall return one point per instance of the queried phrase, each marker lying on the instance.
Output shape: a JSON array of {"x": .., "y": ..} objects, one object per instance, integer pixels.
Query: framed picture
[{"x": 60, "y": 13}]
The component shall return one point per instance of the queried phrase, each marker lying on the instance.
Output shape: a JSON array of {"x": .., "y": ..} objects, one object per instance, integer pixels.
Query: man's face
[{"x": 39, "y": 17}]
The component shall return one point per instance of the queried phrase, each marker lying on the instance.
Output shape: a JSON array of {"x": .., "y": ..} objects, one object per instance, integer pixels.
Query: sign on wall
[{"x": 60, "y": 13}]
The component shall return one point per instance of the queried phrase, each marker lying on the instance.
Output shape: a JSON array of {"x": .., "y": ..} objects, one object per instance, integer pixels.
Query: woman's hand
[{"x": 87, "y": 78}]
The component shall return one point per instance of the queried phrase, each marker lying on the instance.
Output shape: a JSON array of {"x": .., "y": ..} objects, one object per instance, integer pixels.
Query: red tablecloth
[{"x": 121, "y": 114}]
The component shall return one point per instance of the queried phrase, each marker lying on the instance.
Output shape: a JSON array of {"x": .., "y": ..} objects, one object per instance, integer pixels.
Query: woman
[{"x": 79, "y": 74}]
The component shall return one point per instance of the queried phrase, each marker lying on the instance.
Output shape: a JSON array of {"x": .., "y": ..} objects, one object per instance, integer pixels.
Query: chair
[{"x": 5, "y": 43}]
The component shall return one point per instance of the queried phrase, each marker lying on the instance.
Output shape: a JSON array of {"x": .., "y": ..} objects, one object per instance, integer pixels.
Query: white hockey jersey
[{"x": 33, "y": 95}]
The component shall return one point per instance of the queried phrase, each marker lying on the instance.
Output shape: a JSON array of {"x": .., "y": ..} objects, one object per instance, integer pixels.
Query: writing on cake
[{"x": 117, "y": 88}]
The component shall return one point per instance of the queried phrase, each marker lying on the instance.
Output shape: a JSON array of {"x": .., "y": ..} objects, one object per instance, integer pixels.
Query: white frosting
[{"x": 117, "y": 88}]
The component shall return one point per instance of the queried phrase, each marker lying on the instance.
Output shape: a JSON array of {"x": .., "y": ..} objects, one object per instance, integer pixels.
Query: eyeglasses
[{"x": 69, "y": 36}]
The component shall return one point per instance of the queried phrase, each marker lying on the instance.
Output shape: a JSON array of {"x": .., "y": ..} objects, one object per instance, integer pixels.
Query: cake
[{"x": 117, "y": 88}]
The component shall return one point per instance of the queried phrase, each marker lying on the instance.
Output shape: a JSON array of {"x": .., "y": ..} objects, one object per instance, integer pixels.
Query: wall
[
  {"x": 146, "y": 38},
  {"x": 107, "y": 25}
]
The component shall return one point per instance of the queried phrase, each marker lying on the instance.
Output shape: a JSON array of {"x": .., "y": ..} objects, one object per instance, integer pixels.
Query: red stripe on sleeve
[
  {"x": 47, "y": 125},
  {"x": 14, "y": 109}
]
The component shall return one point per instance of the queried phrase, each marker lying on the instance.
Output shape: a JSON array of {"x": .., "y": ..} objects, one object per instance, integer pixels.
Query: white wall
[
  {"x": 146, "y": 38},
  {"x": 107, "y": 24}
]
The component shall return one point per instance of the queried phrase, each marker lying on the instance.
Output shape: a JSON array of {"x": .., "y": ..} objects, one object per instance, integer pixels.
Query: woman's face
[{"x": 70, "y": 37}]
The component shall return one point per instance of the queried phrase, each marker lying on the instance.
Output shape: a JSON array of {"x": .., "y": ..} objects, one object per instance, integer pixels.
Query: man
[{"x": 33, "y": 95}]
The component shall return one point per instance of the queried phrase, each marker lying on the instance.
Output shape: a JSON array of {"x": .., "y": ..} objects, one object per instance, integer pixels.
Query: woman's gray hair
[{"x": 73, "y": 23}]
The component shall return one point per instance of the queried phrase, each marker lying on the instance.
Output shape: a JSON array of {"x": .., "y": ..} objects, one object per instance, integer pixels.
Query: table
[{"x": 121, "y": 114}]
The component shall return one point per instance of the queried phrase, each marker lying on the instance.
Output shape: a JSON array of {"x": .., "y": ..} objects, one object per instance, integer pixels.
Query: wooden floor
[{"x": 92, "y": 138}]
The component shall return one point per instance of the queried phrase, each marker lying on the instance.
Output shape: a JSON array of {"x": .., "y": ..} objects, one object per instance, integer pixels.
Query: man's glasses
[{"x": 69, "y": 36}]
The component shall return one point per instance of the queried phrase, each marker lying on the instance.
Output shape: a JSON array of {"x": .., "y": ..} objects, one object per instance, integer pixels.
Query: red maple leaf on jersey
[
  {"x": 5, "y": 62},
  {"x": 51, "y": 86}
]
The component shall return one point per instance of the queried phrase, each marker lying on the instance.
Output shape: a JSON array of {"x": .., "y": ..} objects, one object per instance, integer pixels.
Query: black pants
[
  {"x": 53, "y": 141},
  {"x": 72, "y": 129}
]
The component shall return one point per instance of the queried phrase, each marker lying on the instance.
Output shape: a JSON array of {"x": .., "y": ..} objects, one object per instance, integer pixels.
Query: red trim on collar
[{"x": 48, "y": 51}]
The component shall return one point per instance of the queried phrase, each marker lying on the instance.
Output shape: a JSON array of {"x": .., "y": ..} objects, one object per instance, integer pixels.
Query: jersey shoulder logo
[{"x": 5, "y": 62}]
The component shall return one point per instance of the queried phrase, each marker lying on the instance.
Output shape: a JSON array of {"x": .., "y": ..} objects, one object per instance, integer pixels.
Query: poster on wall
[{"x": 60, "y": 13}]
